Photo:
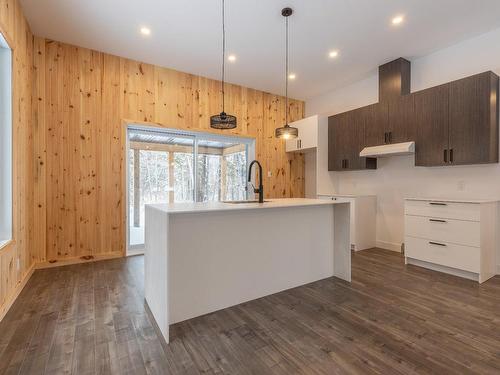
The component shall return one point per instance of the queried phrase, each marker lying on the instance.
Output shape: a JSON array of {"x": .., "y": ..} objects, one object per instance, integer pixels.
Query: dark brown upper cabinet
[
  {"x": 376, "y": 122},
  {"x": 431, "y": 124},
  {"x": 401, "y": 122},
  {"x": 452, "y": 124},
  {"x": 457, "y": 123},
  {"x": 346, "y": 133},
  {"x": 473, "y": 122},
  {"x": 391, "y": 122}
]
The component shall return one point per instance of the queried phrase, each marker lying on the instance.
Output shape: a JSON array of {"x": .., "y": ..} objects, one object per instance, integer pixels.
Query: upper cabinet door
[
  {"x": 473, "y": 112},
  {"x": 346, "y": 140},
  {"x": 337, "y": 138},
  {"x": 354, "y": 138},
  {"x": 376, "y": 124},
  {"x": 402, "y": 119},
  {"x": 308, "y": 134},
  {"x": 431, "y": 124}
]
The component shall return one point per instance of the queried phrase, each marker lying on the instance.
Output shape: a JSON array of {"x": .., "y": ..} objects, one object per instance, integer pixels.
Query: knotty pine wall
[
  {"x": 83, "y": 98},
  {"x": 15, "y": 29}
]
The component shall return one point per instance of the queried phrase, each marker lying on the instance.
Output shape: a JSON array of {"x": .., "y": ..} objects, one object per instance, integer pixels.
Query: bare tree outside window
[{"x": 162, "y": 170}]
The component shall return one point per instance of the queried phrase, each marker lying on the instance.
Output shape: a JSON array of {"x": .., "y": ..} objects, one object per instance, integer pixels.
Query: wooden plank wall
[
  {"x": 14, "y": 27},
  {"x": 82, "y": 98}
]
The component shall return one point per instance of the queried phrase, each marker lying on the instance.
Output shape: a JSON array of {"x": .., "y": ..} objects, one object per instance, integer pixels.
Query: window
[
  {"x": 5, "y": 142},
  {"x": 162, "y": 170}
]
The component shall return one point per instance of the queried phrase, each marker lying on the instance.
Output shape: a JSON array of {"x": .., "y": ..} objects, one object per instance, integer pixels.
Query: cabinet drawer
[
  {"x": 451, "y": 255},
  {"x": 446, "y": 230},
  {"x": 459, "y": 211}
]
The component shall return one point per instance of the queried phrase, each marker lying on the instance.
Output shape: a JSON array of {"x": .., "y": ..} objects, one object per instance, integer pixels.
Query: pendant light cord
[
  {"x": 223, "y": 52},
  {"x": 286, "y": 73}
]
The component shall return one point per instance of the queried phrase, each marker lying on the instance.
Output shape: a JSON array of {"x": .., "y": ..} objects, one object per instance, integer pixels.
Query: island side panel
[
  {"x": 220, "y": 259},
  {"x": 156, "y": 266},
  {"x": 342, "y": 241}
]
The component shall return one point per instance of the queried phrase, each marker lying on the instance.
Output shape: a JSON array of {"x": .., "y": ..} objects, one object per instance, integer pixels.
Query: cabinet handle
[
  {"x": 385, "y": 138},
  {"x": 437, "y": 204},
  {"x": 451, "y": 155},
  {"x": 446, "y": 156},
  {"x": 438, "y": 221},
  {"x": 437, "y": 243}
]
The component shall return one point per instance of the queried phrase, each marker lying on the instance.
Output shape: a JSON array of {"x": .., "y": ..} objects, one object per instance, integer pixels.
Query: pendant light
[
  {"x": 223, "y": 120},
  {"x": 287, "y": 131}
]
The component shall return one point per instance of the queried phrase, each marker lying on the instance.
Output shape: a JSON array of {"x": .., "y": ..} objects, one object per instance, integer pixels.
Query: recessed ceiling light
[
  {"x": 291, "y": 76},
  {"x": 145, "y": 31},
  {"x": 397, "y": 20},
  {"x": 231, "y": 58},
  {"x": 333, "y": 54}
]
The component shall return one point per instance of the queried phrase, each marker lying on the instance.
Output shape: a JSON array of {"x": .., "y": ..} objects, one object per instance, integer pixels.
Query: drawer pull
[
  {"x": 437, "y": 243},
  {"x": 438, "y": 221},
  {"x": 437, "y": 204}
]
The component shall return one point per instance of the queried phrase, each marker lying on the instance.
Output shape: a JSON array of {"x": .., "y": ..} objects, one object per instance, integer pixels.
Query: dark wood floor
[{"x": 392, "y": 319}]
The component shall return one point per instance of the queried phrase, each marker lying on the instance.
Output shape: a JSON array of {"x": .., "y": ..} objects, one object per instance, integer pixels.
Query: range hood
[{"x": 405, "y": 148}]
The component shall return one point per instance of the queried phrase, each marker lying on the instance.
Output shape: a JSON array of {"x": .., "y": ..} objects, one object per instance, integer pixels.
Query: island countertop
[{"x": 176, "y": 208}]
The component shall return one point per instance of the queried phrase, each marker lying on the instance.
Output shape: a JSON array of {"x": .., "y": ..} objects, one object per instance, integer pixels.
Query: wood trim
[
  {"x": 77, "y": 260},
  {"x": 7, "y": 245},
  {"x": 4, "y": 309},
  {"x": 159, "y": 125},
  {"x": 8, "y": 38}
]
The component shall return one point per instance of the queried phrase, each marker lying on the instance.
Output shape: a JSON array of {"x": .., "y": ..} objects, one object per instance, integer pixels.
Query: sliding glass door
[{"x": 162, "y": 169}]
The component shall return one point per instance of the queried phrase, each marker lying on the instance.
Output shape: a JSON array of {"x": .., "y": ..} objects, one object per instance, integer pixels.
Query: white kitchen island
[{"x": 203, "y": 257}]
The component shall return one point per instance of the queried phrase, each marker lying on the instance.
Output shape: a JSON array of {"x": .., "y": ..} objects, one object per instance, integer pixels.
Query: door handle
[
  {"x": 446, "y": 156},
  {"x": 438, "y": 221},
  {"x": 437, "y": 243},
  {"x": 437, "y": 204}
]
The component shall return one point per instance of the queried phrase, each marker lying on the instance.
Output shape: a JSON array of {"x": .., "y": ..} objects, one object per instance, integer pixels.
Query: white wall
[{"x": 397, "y": 177}]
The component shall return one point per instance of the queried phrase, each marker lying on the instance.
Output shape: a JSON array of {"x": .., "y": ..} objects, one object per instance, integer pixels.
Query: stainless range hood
[{"x": 405, "y": 148}]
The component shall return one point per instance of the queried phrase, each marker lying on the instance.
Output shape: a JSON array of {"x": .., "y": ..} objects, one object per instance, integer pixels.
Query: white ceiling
[{"x": 186, "y": 34}]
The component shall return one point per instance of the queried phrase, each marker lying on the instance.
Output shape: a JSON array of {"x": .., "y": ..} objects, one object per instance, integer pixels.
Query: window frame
[
  {"x": 197, "y": 136},
  {"x": 6, "y": 143}
]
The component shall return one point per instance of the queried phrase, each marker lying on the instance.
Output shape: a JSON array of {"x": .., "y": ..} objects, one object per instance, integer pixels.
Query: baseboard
[
  {"x": 78, "y": 260},
  {"x": 444, "y": 269},
  {"x": 389, "y": 246},
  {"x": 13, "y": 296}
]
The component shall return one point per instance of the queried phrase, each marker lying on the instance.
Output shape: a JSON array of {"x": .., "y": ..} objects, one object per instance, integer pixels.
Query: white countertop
[
  {"x": 174, "y": 208},
  {"x": 452, "y": 200},
  {"x": 346, "y": 195}
]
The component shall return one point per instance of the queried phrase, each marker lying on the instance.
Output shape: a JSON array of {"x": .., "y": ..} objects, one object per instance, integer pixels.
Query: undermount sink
[{"x": 240, "y": 202}]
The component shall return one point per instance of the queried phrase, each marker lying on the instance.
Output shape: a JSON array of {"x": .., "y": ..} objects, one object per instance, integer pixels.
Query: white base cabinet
[
  {"x": 363, "y": 219},
  {"x": 456, "y": 237}
]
